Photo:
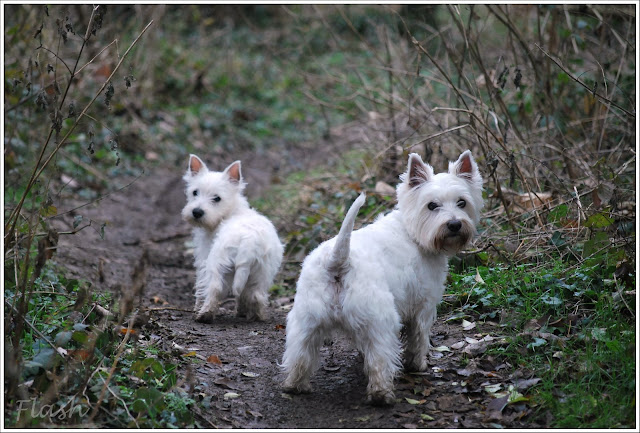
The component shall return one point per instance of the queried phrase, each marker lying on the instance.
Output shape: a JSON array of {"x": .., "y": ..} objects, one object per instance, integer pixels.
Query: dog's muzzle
[
  {"x": 197, "y": 213},
  {"x": 454, "y": 226},
  {"x": 452, "y": 236}
]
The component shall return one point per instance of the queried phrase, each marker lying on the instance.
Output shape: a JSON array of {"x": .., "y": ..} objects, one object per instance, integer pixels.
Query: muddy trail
[{"x": 232, "y": 365}]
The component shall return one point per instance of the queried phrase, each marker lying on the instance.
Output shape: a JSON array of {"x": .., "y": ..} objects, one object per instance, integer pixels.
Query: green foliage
[
  {"x": 69, "y": 340},
  {"x": 572, "y": 328}
]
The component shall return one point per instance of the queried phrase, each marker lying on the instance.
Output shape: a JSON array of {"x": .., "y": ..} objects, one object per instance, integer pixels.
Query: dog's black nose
[
  {"x": 197, "y": 213},
  {"x": 454, "y": 226}
]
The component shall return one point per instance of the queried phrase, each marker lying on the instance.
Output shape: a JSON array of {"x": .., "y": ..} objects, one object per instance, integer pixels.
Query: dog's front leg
[{"x": 418, "y": 344}]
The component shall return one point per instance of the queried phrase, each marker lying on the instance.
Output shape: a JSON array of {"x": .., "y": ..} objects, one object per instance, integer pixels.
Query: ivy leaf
[{"x": 598, "y": 221}]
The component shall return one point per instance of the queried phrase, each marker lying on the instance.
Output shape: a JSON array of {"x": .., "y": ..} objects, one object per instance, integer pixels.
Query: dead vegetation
[{"x": 544, "y": 96}]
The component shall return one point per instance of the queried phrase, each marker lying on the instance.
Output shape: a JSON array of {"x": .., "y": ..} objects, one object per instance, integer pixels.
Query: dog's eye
[
  {"x": 432, "y": 206},
  {"x": 216, "y": 199},
  {"x": 462, "y": 203},
  {"x": 195, "y": 192}
]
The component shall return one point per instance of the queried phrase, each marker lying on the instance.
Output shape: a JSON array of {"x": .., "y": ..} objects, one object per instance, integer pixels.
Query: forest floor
[{"x": 231, "y": 366}]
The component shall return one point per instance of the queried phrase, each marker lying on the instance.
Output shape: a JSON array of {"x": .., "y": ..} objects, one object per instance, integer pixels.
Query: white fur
[
  {"x": 237, "y": 250},
  {"x": 389, "y": 275}
]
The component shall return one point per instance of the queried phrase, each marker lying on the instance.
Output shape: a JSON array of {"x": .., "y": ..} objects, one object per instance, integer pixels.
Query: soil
[{"x": 242, "y": 391}]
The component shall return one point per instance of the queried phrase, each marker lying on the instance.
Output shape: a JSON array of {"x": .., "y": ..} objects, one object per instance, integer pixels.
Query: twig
[
  {"x": 123, "y": 404},
  {"x": 35, "y": 330},
  {"x": 620, "y": 294},
  {"x": 577, "y": 80},
  {"x": 113, "y": 369},
  {"x": 84, "y": 165},
  {"x": 437, "y": 65},
  {"x": 170, "y": 237},
  {"x": 98, "y": 93},
  {"x": 103, "y": 312},
  {"x": 95, "y": 57},
  {"x": 97, "y": 199},
  {"x": 169, "y": 308},
  {"x": 12, "y": 220}
]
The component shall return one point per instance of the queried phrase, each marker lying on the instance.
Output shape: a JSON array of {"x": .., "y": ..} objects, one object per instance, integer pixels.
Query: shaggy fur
[
  {"x": 237, "y": 250},
  {"x": 390, "y": 275}
]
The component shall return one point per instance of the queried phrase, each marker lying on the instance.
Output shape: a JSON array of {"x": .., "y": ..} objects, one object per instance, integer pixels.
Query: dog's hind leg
[
  {"x": 376, "y": 332},
  {"x": 250, "y": 288},
  {"x": 209, "y": 290},
  {"x": 302, "y": 353}
]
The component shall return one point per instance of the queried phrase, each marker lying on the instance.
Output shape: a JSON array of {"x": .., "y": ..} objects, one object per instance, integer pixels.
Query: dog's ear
[
  {"x": 417, "y": 171},
  {"x": 196, "y": 165},
  {"x": 234, "y": 172},
  {"x": 466, "y": 168}
]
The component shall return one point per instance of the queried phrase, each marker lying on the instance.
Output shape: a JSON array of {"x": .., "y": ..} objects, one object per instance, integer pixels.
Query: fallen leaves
[
  {"x": 213, "y": 359},
  {"x": 225, "y": 382},
  {"x": 158, "y": 300},
  {"x": 412, "y": 401},
  {"x": 467, "y": 326},
  {"x": 231, "y": 395},
  {"x": 441, "y": 349}
]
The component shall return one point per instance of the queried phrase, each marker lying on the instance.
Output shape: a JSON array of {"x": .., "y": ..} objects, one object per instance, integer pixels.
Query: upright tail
[{"x": 340, "y": 255}]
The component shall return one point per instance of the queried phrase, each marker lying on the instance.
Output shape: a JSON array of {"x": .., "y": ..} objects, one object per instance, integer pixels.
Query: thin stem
[
  {"x": 12, "y": 220},
  {"x": 566, "y": 71}
]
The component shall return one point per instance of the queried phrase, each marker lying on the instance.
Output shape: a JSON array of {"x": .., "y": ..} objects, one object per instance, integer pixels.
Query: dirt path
[{"x": 146, "y": 215}]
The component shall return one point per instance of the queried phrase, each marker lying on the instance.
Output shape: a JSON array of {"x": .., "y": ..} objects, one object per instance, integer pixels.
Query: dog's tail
[{"x": 340, "y": 255}]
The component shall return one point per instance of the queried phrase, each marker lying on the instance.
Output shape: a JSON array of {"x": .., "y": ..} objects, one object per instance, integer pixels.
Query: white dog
[
  {"x": 237, "y": 250},
  {"x": 387, "y": 275}
]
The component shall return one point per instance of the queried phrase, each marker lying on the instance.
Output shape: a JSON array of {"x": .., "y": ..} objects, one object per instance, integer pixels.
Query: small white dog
[
  {"x": 387, "y": 276},
  {"x": 237, "y": 250}
]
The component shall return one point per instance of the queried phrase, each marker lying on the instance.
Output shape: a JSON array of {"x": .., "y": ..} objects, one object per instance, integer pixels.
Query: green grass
[{"x": 587, "y": 360}]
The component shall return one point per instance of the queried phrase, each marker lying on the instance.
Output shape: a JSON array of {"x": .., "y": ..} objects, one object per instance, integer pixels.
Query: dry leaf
[
  {"x": 225, "y": 383},
  {"x": 214, "y": 360},
  {"x": 498, "y": 404},
  {"x": 412, "y": 401},
  {"x": 467, "y": 326},
  {"x": 458, "y": 345},
  {"x": 476, "y": 349},
  {"x": 527, "y": 383},
  {"x": 231, "y": 395},
  {"x": 158, "y": 300},
  {"x": 441, "y": 349}
]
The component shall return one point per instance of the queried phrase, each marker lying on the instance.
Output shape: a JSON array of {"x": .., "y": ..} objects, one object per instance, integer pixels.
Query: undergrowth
[
  {"x": 71, "y": 348},
  {"x": 543, "y": 95},
  {"x": 572, "y": 328}
]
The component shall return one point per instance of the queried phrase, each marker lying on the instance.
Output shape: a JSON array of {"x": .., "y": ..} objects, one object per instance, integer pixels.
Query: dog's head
[
  {"x": 211, "y": 196},
  {"x": 440, "y": 211}
]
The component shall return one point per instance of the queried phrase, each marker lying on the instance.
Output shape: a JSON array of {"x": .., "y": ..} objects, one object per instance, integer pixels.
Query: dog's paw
[
  {"x": 253, "y": 316},
  {"x": 206, "y": 317},
  {"x": 416, "y": 367},
  {"x": 416, "y": 364},
  {"x": 381, "y": 398},
  {"x": 301, "y": 388}
]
